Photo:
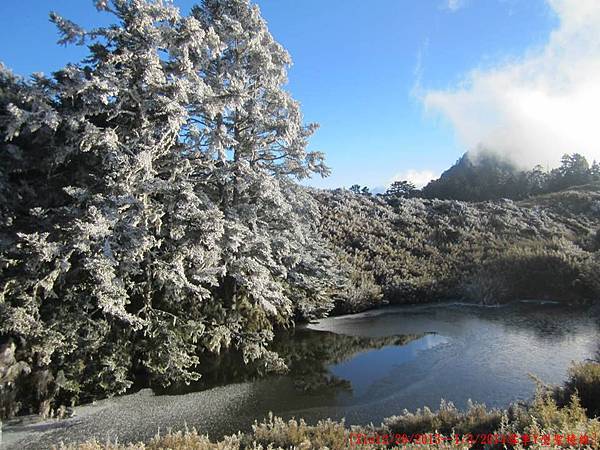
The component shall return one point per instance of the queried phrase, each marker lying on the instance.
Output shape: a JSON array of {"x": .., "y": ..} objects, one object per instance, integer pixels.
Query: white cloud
[
  {"x": 417, "y": 177},
  {"x": 540, "y": 106},
  {"x": 455, "y": 5}
]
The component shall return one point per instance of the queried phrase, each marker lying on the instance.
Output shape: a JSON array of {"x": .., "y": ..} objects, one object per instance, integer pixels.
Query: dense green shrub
[
  {"x": 551, "y": 269},
  {"x": 583, "y": 381}
]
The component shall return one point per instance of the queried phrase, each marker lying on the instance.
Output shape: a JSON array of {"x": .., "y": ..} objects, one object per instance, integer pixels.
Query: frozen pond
[{"x": 362, "y": 367}]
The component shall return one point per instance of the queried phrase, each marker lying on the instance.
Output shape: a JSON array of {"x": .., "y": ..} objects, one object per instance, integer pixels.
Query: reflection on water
[
  {"x": 312, "y": 358},
  {"x": 372, "y": 365},
  {"x": 488, "y": 354},
  {"x": 316, "y": 358},
  {"x": 369, "y": 367}
]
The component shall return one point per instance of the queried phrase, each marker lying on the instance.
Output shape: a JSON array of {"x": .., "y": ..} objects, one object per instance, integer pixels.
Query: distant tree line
[{"x": 486, "y": 176}]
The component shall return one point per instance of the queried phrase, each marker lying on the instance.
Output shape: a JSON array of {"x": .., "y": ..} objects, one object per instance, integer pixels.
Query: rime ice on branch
[{"x": 149, "y": 213}]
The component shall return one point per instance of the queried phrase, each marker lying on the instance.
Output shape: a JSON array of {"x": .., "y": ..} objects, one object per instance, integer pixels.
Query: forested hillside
[
  {"x": 416, "y": 250},
  {"x": 485, "y": 175}
]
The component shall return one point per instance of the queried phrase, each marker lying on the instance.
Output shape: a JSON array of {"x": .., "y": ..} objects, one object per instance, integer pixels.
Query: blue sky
[{"x": 381, "y": 77}]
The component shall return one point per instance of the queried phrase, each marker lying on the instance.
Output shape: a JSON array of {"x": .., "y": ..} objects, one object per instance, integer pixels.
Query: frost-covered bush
[
  {"x": 417, "y": 250},
  {"x": 583, "y": 381},
  {"x": 477, "y": 419},
  {"x": 293, "y": 433},
  {"x": 542, "y": 417},
  {"x": 149, "y": 215},
  {"x": 550, "y": 269}
]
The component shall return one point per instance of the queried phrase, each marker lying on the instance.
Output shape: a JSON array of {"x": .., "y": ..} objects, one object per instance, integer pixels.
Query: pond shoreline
[{"x": 232, "y": 407}]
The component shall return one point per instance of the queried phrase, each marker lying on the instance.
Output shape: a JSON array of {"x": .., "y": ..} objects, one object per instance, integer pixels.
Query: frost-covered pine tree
[
  {"x": 253, "y": 129},
  {"x": 149, "y": 214},
  {"x": 121, "y": 260}
]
